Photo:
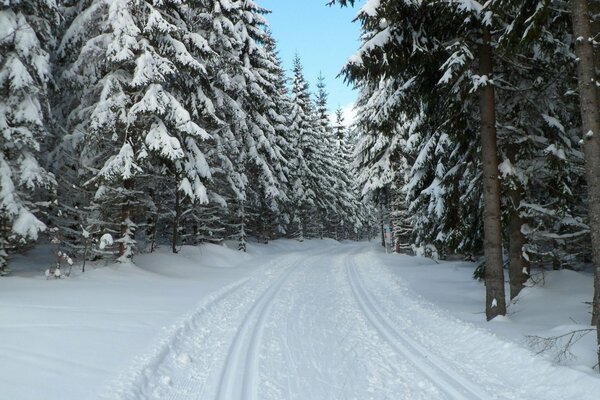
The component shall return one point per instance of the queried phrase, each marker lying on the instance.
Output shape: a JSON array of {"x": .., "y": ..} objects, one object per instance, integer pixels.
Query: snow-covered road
[{"x": 334, "y": 322}]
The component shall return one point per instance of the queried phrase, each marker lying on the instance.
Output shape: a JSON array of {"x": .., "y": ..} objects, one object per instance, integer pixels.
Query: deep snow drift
[{"x": 313, "y": 320}]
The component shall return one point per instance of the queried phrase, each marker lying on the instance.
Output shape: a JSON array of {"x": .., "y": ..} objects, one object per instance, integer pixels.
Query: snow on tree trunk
[{"x": 400, "y": 218}]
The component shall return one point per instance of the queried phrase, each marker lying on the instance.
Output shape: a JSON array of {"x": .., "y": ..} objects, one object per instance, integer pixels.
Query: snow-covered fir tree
[
  {"x": 274, "y": 222},
  {"x": 353, "y": 214},
  {"x": 265, "y": 167},
  {"x": 339, "y": 198},
  {"x": 26, "y": 38},
  {"x": 243, "y": 77},
  {"x": 424, "y": 65},
  {"x": 326, "y": 164},
  {"x": 453, "y": 61},
  {"x": 304, "y": 141},
  {"x": 130, "y": 64}
]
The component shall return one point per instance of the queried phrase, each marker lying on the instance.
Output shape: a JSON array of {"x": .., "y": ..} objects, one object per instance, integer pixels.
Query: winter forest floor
[{"x": 307, "y": 321}]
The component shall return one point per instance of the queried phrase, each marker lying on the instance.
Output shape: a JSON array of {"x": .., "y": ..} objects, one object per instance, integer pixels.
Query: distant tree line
[{"x": 162, "y": 122}]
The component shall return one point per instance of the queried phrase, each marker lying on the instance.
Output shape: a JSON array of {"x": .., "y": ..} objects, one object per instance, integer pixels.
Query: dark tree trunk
[
  {"x": 242, "y": 234},
  {"x": 177, "y": 218},
  {"x": 590, "y": 116},
  {"x": 125, "y": 216},
  {"x": 382, "y": 229},
  {"x": 3, "y": 245},
  {"x": 518, "y": 270},
  {"x": 382, "y": 212},
  {"x": 153, "y": 231},
  {"x": 495, "y": 303}
]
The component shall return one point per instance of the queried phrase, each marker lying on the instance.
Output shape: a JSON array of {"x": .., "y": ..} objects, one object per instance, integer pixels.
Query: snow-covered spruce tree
[
  {"x": 539, "y": 107},
  {"x": 335, "y": 229},
  {"x": 264, "y": 138},
  {"x": 335, "y": 198},
  {"x": 396, "y": 105},
  {"x": 376, "y": 157},
  {"x": 70, "y": 209},
  {"x": 540, "y": 27},
  {"x": 527, "y": 171},
  {"x": 26, "y": 34},
  {"x": 417, "y": 41},
  {"x": 243, "y": 76},
  {"x": 128, "y": 61},
  {"x": 350, "y": 224},
  {"x": 541, "y": 167},
  {"x": 304, "y": 141},
  {"x": 219, "y": 22},
  {"x": 275, "y": 222}
]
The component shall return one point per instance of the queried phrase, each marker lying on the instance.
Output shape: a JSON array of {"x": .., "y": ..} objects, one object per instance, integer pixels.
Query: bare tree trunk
[
  {"x": 177, "y": 216},
  {"x": 590, "y": 117},
  {"x": 242, "y": 215},
  {"x": 3, "y": 246},
  {"x": 382, "y": 224},
  {"x": 153, "y": 232},
  {"x": 495, "y": 303},
  {"x": 518, "y": 267}
]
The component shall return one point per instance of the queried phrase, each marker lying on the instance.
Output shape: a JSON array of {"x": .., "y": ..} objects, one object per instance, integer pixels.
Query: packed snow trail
[
  {"x": 336, "y": 323},
  {"x": 452, "y": 384},
  {"x": 239, "y": 377}
]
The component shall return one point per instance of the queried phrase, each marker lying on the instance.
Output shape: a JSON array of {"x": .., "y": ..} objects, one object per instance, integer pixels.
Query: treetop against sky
[{"x": 324, "y": 37}]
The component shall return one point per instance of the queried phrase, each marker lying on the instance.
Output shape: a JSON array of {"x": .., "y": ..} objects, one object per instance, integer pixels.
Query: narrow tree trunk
[
  {"x": 590, "y": 116},
  {"x": 125, "y": 217},
  {"x": 3, "y": 247},
  {"x": 85, "y": 253},
  {"x": 177, "y": 217},
  {"x": 382, "y": 229},
  {"x": 153, "y": 232},
  {"x": 242, "y": 238},
  {"x": 300, "y": 228},
  {"x": 402, "y": 228},
  {"x": 382, "y": 216},
  {"x": 494, "y": 275},
  {"x": 518, "y": 269}
]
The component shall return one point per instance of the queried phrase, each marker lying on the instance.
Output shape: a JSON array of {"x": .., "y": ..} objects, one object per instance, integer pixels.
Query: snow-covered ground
[{"x": 312, "y": 320}]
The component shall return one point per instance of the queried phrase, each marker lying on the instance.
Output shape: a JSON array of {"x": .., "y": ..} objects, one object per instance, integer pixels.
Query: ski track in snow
[
  {"x": 455, "y": 386},
  {"x": 334, "y": 324},
  {"x": 239, "y": 377},
  {"x": 211, "y": 345},
  {"x": 502, "y": 369},
  {"x": 151, "y": 374},
  {"x": 318, "y": 345}
]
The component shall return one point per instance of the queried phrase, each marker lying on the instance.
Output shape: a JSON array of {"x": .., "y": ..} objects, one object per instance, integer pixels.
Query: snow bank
[{"x": 68, "y": 338}]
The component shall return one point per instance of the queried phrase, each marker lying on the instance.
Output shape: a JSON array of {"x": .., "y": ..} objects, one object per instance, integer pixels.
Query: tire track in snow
[
  {"x": 239, "y": 377},
  {"x": 452, "y": 384}
]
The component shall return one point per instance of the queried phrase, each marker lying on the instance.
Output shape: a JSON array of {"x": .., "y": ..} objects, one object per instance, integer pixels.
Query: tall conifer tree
[{"x": 26, "y": 37}]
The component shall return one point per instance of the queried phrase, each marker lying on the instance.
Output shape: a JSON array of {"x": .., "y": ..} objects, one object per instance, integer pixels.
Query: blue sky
[{"x": 324, "y": 38}]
